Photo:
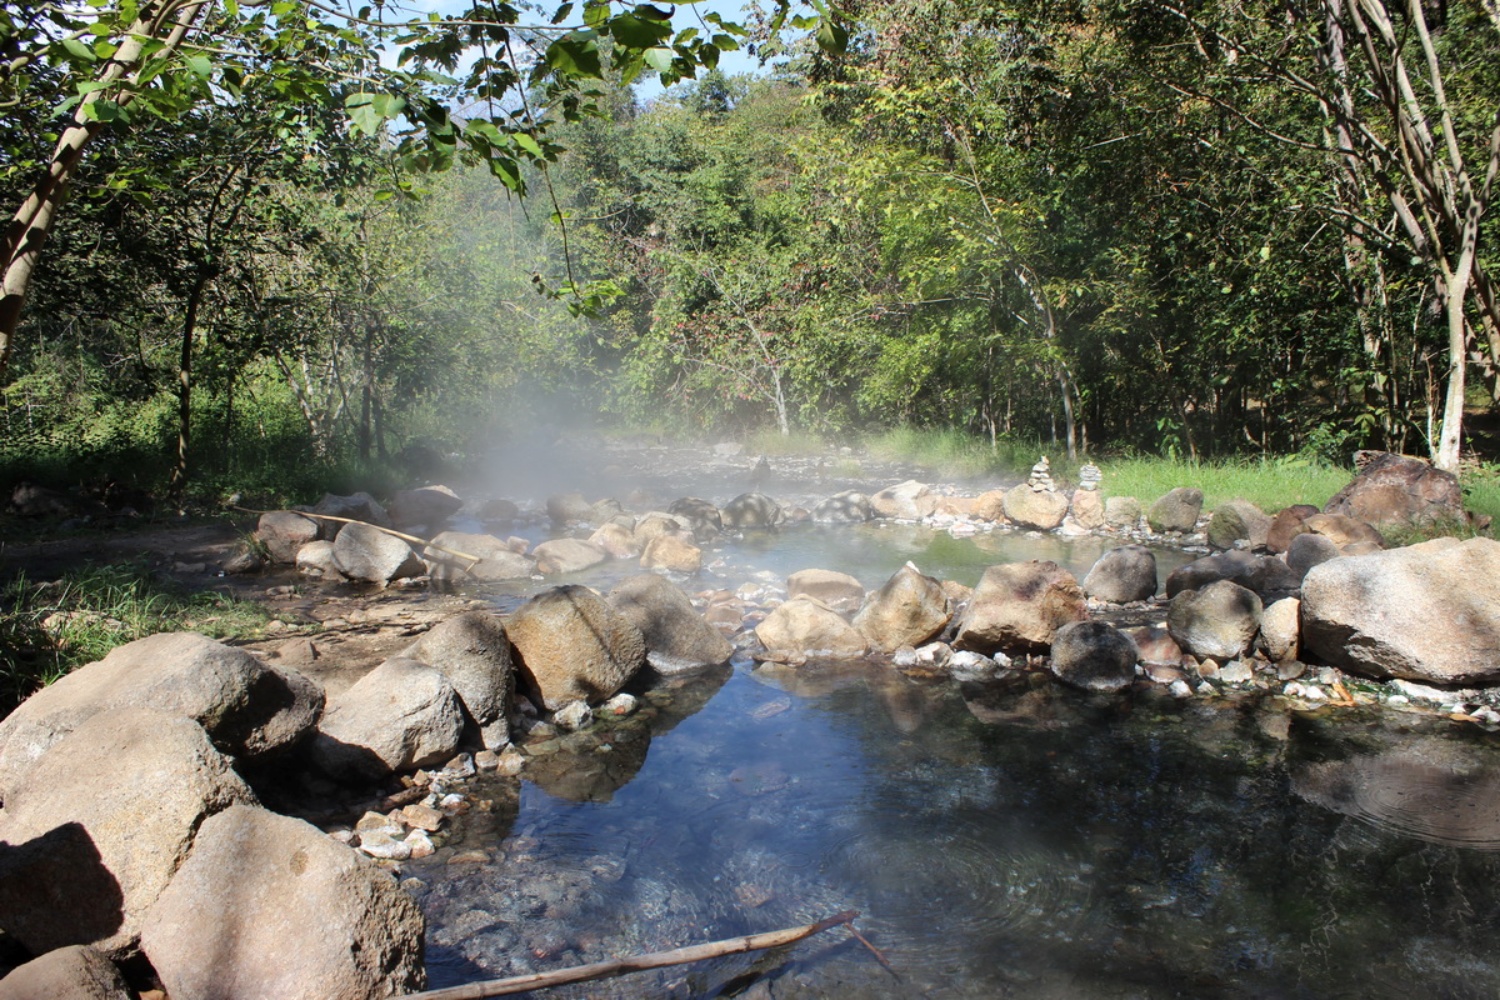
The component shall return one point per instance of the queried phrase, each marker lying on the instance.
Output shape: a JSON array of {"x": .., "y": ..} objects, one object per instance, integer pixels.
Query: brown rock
[
  {"x": 497, "y": 560},
  {"x": 1087, "y": 508},
  {"x": 909, "y": 610},
  {"x": 429, "y": 506},
  {"x": 473, "y": 652},
  {"x": 283, "y": 532},
  {"x": 910, "y": 501},
  {"x": 617, "y": 541},
  {"x": 990, "y": 506},
  {"x": 77, "y": 972},
  {"x": 1286, "y": 525},
  {"x": 573, "y": 646},
  {"x": 1177, "y": 511},
  {"x": 1343, "y": 531},
  {"x": 840, "y": 591},
  {"x": 400, "y": 716},
  {"x": 677, "y": 638},
  {"x": 1019, "y": 607},
  {"x": 808, "y": 627},
  {"x": 567, "y": 555},
  {"x": 673, "y": 552},
  {"x": 1219, "y": 621},
  {"x": 1042, "y": 510},
  {"x": 1394, "y": 489}
]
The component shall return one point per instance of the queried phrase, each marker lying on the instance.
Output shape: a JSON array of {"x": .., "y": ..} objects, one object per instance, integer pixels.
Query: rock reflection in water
[{"x": 907, "y": 703}]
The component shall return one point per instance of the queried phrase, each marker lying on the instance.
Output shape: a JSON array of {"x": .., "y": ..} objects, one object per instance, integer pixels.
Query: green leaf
[
  {"x": 638, "y": 33},
  {"x": 659, "y": 59},
  {"x": 562, "y": 13},
  {"x": 202, "y": 66},
  {"x": 506, "y": 171},
  {"x": 576, "y": 54},
  {"x": 527, "y": 143},
  {"x": 833, "y": 37},
  {"x": 80, "y": 50},
  {"x": 726, "y": 43}
]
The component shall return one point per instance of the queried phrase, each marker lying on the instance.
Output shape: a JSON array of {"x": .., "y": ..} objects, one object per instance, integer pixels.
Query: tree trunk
[{"x": 185, "y": 386}]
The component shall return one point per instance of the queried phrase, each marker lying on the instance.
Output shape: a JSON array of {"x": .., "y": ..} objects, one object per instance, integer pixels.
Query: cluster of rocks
[{"x": 129, "y": 825}]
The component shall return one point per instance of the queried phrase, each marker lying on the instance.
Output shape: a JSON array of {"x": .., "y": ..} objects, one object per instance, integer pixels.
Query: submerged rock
[
  {"x": 847, "y": 507},
  {"x": 752, "y": 510}
]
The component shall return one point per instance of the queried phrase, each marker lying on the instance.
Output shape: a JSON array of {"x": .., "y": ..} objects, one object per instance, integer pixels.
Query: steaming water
[{"x": 1014, "y": 841}]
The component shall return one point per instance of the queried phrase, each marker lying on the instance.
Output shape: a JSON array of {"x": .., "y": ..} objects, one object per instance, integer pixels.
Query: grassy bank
[{"x": 49, "y": 628}]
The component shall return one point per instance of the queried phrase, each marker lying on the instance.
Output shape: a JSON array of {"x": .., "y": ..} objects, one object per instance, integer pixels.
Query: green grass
[
  {"x": 953, "y": 453},
  {"x": 1482, "y": 490},
  {"x": 1270, "y": 484},
  {"x": 49, "y": 628}
]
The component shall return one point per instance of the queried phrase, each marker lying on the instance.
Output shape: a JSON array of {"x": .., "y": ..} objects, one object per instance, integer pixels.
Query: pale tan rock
[
  {"x": 809, "y": 627},
  {"x": 574, "y": 646},
  {"x": 1018, "y": 607},
  {"x": 674, "y": 552},
  {"x": 908, "y": 610},
  {"x": 840, "y": 591}
]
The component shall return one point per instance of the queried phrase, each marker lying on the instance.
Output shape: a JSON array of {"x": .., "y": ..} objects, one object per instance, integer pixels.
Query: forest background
[{"x": 1200, "y": 230}]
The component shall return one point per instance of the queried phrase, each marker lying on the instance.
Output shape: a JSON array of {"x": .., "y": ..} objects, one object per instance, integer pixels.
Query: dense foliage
[{"x": 1189, "y": 229}]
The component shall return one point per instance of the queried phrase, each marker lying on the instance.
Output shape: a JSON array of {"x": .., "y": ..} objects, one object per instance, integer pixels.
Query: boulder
[
  {"x": 990, "y": 506},
  {"x": 1219, "y": 621},
  {"x": 366, "y": 553},
  {"x": 283, "y": 532},
  {"x": 1280, "y": 631},
  {"x": 249, "y": 709},
  {"x": 1087, "y": 509},
  {"x": 1427, "y": 613},
  {"x": 473, "y": 652},
  {"x": 77, "y": 972},
  {"x": 355, "y": 507},
  {"x": 840, "y": 591},
  {"x": 1155, "y": 646},
  {"x": 1288, "y": 524},
  {"x": 848, "y": 507},
  {"x": 315, "y": 559},
  {"x": 1122, "y": 575},
  {"x": 674, "y": 552},
  {"x": 566, "y": 508},
  {"x": 1018, "y": 607},
  {"x": 699, "y": 515},
  {"x": 659, "y": 523},
  {"x": 497, "y": 559},
  {"x": 269, "y": 906},
  {"x": 617, "y": 540},
  {"x": 572, "y": 645},
  {"x": 1039, "y": 509},
  {"x": 752, "y": 510},
  {"x": 499, "y": 511},
  {"x": 1122, "y": 512},
  {"x": 678, "y": 640},
  {"x": 1177, "y": 511},
  {"x": 910, "y": 501},
  {"x": 97, "y": 827},
  {"x": 1394, "y": 489},
  {"x": 1266, "y": 575},
  {"x": 429, "y": 506},
  {"x": 1094, "y": 656},
  {"x": 400, "y": 716},
  {"x": 602, "y": 511},
  {"x": 908, "y": 610},
  {"x": 567, "y": 555},
  {"x": 1238, "y": 521},
  {"x": 1344, "y": 531},
  {"x": 1308, "y": 550},
  {"x": 804, "y": 626}
]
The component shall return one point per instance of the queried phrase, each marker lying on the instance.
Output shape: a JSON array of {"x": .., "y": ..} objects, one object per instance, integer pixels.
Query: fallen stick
[
  {"x": 638, "y": 963},
  {"x": 473, "y": 560}
]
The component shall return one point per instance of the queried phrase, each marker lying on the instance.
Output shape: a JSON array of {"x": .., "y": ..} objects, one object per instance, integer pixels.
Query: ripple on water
[{"x": 1434, "y": 801}]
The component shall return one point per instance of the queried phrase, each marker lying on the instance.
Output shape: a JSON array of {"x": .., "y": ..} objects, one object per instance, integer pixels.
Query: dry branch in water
[
  {"x": 638, "y": 963},
  {"x": 473, "y": 560}
]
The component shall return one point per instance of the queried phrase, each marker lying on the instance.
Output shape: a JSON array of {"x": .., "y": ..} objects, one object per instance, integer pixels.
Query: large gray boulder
[
  {"x": 1177, "y": 511},
  {"x": 427, "y": 506},
  {"x": 1393, "y": 489},
  {"x": 565, "y": 508},
  {"x": 496, "y": 559},
  {"x": 752, "y": 510},
  {"x": 574, "y": 647},
  {"x": 848, "y": 507},
  {"x": 1268, "y": 576},
  {"x": 1308, "y": 550},
  {"x": 99, "y": 825},
  {"x": 1042, "y": 510},
  {"x": 910, "y": 501},
  {"x": 250, "y": 709},
  {"x": 1219, "y": 621},
  {"x": 1428, "y": 613},
  {"x": 1122, "y": 575},
  {"x": 473, "y": 652},
  {"x": 1018, "y": 607},
  {"x": 400, "y": 716},
  {"x": 269, "y": 906},
  {"x": 355, "y": 507},
  {"x": 701, "y": 516},
  {"x": 1238, "y": 521},
  {"x": 1122, "y": 512},
  {"x": 678, "y": 640},
  {"x": 283, "y": 532},
  {"x": 1094, "y": 656},
  {"x": 315, "y": 559},
  {"x": 804, "y": 626},
  {"x": 567, "y": 555},
  {"x": 367, "y": 554},
  {"x": 840, "y": 591},
  {"x": 77, "y": 972},
  {"x": 908, "y": 610}
]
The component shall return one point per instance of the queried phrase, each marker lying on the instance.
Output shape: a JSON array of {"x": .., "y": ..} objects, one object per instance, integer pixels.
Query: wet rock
[
  {"x": 1019, "y": 606},
  {"x": 497, "y": 560},
  {"x": 400, "y": 716},
  {"x": 1394, "y": 489},
  {"x": 617, "y": 541},
  {"x": 1266, "y": 575},
  {"x": 1122, "y": 512},
  {"x": 848, "y": 507},
  {"x": 1122, "y": 575},
  {"x": 1094, "y": 656},
  {"x": 699, "y": 516},
  {"x": 77, "y": 972},
  {"x": 1042, "y": 510},
  {"x": 1344, "y": 531},
  {"x": 674, "y": 552},
  {"x": 1087, "y": 508},
  {"x": 752, "y": 510},
  {"x": 659, "y": 523},
  {"x": 573, "y": 716},
  {"x": 1288, "y": 524},
  {"x": 1280, "y": 630},
  {"x": 989, "y": 506},
  {"x": 566, "y": 508},
  {"x": 1156, "y": 647},
  {"x": 262, "y": 882},
  {"x": 908, "y": 610},
  {"x": 573, "y": 645},
  {"x": 1427, "y": 613},
  {"x": 1238, "y": 521},
  {"x": 910, "y": 501},
  {"x": 473, "y": 652},
  {"x": 315, "y": 559},
  {"x": 355, "y": 507},
  {"x": 1177, "y": 511},
  {"x": 840, "y": 591},
  {"x": 283, "y": 532},
  {"x": 1308, "y": 550},
  {"x": 368, "y": 554},
  {"x": 250, "y": 709},
  {"x": 807, "y": 627},
  {"x": 1219, "y": 621},
  {"x": 567, "y": 555},
  {"x": 677, "y": 638},
  {"x": 96, "y": 828},
  {"x": 429, "y": 506},
  {"x": 602, "y": 511},
  {"x": 499, "y": 511}
]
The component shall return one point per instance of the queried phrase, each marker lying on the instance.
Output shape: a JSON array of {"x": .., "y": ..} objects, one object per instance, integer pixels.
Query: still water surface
[{"x": 1015, "y": 840}]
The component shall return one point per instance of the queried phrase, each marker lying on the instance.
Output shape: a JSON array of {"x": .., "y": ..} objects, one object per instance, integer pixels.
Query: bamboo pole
[
  {"x": 638, "y": 963},
  {"x": 413, "y": 539}
]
